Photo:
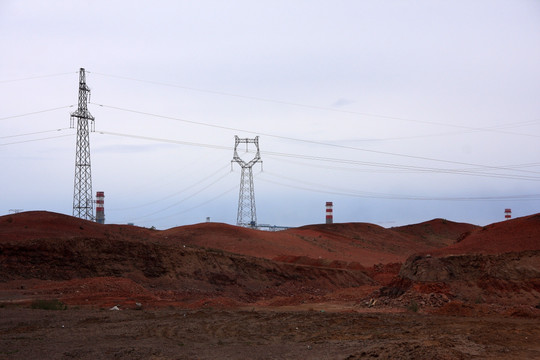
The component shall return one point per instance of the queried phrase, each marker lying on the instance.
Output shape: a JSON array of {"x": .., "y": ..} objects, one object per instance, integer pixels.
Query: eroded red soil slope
[
  {"x": 514, "y": 235},
  {"x": 437, "y": 233},
  {"x": 497, "y": 263},
  {"x": 52, "y": 255},
  {"x": 54, "y": 247},
  {"x": 364, "y": 244}
]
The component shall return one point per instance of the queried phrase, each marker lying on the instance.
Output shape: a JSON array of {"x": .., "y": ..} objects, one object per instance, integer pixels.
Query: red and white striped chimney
[
  {"x": 507, "y": 214},
  {"x": 329, "y": 212},
  {"x": 100, "y": 207}
]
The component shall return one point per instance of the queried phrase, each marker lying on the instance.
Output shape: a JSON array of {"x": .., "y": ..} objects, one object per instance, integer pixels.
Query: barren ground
[
  {"x": 435, "y": 290},
  {"x": 261, "y": 334}
]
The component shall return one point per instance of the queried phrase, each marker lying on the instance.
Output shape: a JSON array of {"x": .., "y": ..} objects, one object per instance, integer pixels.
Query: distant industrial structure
[
  {"x": 507, "y": 214},
  {"x": 247, "y": 215},
  {"x": 329, "y": 212},
  {"x": 268, "y": 227},
  {"x": 100, "y": 207},
  {"x": 83, "y": 205}
]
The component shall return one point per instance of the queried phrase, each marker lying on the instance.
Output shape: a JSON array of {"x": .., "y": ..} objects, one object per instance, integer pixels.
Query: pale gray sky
[{"x": 397, "y": 111}]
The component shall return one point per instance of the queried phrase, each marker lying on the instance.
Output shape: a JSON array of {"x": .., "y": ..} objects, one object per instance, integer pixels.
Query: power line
[
  {"x": 38, "y": 77},
  {"x": 32, "y": 133},
  {"x": 184, "y": 199},
  {"x": 32, "y": 140},
  {"x": 411, "y": 167},
  {"x": 173, "y": 118},
  {"x": 471, "y": 172},
  {"x": 175, "y": 193},
  {"x": 485, "y": 167},
  {"x": 196, "y": 206},
  {"x": 333, "y": 160},
  {"x": 36, "y": 112},
  {"x": 389, "y": 169},
  {"x": 491, "y": 129},
  {"x": 308, "y": 141},
  {"x": 149, "y": 138},
  {"x": 343, "y": 192},
  {"x": 221, "y": 93}
]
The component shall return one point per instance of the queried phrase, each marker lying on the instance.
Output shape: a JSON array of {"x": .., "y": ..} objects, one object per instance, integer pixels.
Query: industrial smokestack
[
  {"x": 329, "y": 212},
  {"x": 100, "y": 207}
]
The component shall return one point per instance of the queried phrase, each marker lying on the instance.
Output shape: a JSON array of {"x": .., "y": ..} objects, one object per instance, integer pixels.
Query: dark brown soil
[{"x": 261, "y": 334}]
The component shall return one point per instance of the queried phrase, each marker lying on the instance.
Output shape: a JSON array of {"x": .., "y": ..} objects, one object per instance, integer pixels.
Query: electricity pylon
[
  {"x": 83, "y": 205},
  {"x": 246, "y": 216}
]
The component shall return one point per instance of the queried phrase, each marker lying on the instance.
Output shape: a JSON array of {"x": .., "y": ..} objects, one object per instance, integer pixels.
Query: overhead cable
[
  {"x": 304, "y": 105},
  {"x": 350, "y": 193},
  {"x": 37, "y": 77},
  {"x": 36, "y": 112},
  {"x": 32, "y": 140},
  {"x": 307, "y": 141},
  {"x": 185, "y": 198},
  {"x": 32, "y": 133},
  {"x": 175, "y": 193}
]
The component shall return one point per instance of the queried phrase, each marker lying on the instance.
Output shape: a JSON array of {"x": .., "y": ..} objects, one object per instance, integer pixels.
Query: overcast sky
[{"x": 397, "y": 111}]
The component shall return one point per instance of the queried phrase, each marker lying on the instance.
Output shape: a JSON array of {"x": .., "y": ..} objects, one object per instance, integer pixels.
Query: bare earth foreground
[
  {"x": 435, "y": 290},
  {"x": 261, "y": 334}
]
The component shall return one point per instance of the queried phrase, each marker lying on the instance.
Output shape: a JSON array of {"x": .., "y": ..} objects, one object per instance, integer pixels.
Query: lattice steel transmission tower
[
  {"x": 83, "y": 205},
  {"x": 247, "y": 216}
]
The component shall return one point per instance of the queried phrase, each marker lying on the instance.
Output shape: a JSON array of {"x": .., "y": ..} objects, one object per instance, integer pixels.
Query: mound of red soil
[
  {"x": 79, "y": 261},
  {"x": 348, "y": 245},
  {"x": 520, "y": 234},
  {"x": 234, "y": 239},
  {"x": 369, "y": 241},
  {"x": 496, "y": 263},
  {"x": 56, "y": 247},
  {"x": 36, "y": 225},
  {"x": 437, "y": 233}
]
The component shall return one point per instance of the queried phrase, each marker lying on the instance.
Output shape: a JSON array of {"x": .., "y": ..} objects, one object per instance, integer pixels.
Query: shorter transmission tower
[
  {"x": 83, "y": 205},
  {"x": 246, "y": 216}
]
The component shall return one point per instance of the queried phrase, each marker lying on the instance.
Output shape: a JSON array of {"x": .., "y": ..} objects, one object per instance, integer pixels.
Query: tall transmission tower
[
  {"x": 247, "y": 216},
  {"x": 83, "y": 205}
]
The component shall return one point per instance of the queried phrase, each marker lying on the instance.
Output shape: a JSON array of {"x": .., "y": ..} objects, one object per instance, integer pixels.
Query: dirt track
[{"x": 262, "y": 334}]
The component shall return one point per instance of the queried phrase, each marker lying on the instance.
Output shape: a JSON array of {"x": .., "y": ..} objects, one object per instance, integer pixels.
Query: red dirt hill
[
  {"x": 359, "y": 243},
  {"x": 48, "y": 246},
  {"x": 48, "y": 254},
  {"x": 437, "y": 233},
  {"x": 499, "y": 262},
  {"x": 514, "y": 235}
]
